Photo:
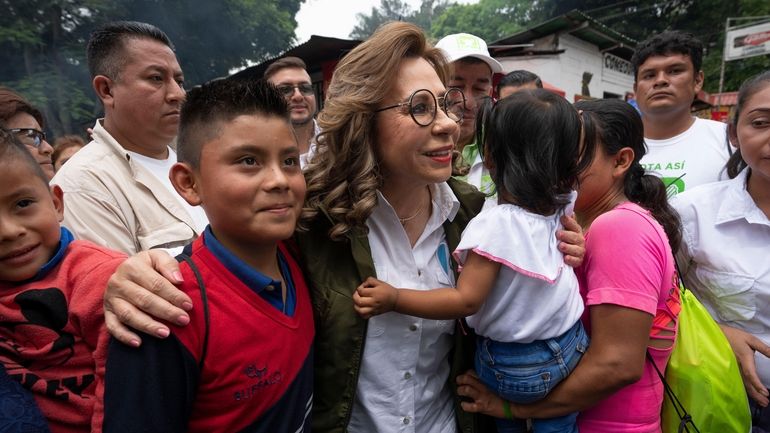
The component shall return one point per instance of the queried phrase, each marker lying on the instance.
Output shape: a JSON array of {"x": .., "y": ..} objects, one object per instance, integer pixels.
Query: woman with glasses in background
[{"x": 26, "y": 122}]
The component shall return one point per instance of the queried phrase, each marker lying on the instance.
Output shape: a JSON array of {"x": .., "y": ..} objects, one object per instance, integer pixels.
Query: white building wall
[{"x": 565, "y": 70}]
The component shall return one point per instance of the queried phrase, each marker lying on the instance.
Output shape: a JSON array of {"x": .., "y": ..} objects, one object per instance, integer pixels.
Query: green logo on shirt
[{"x": 674, "y": 185}]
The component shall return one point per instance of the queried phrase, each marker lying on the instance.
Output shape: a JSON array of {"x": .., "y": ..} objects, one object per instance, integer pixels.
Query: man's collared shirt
[
  {"x": 160, "y": 168},
  {"x": 115, "y": 202}
]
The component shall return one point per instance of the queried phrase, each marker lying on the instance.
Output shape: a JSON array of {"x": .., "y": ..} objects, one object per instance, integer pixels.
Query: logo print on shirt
[
  {"x": 46, "y": 313},
  {"x": 259, "y": 377},
  {"x": 442, "y": 254}
]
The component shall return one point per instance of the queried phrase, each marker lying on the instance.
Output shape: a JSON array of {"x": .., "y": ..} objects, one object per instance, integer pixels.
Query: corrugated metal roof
[
  {"x": 728, "y": 98},
  {"x": 316, "y": 50},
  {"x": 582, "y": 27}
]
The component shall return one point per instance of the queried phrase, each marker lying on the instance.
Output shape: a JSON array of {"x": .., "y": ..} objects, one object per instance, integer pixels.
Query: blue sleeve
[
  {"x": 151, "y": 388},
  {"x": 18, "y": 410}
]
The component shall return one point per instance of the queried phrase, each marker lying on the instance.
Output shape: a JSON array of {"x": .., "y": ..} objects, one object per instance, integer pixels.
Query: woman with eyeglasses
[
  {"x": 26, "y": 122},
  {"x": 379, "y": 188},
  {"x": 384, "y": 205},
  {"x": 511, "y": 265}
]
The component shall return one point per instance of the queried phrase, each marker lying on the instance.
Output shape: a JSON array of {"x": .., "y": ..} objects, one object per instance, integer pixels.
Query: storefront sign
[
  {"x": 748, "y": 42},
  {"x": 616, "y": 64}
]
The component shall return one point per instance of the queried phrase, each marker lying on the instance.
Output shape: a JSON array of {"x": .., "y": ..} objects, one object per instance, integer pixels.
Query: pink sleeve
[{"x": 625, "y": 261}]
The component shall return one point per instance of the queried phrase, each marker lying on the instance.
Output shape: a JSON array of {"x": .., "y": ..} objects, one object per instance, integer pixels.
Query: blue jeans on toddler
[{"x": 527, "y": 372}]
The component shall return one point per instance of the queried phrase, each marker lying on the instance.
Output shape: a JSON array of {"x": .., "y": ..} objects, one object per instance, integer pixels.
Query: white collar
[
  {"x": 738, "y": 204},
  {"x": 445, "y": 205}
]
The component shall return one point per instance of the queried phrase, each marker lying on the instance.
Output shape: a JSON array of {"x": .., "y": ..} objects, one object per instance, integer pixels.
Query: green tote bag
[{"x": 704, "y": 388}]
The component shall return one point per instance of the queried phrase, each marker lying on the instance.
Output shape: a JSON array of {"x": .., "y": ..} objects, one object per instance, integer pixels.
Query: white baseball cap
[{"x": 461, "y": 45}]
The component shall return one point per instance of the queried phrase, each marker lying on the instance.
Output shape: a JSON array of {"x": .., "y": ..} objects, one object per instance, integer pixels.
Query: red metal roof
[{"x": 727, "y": 98}]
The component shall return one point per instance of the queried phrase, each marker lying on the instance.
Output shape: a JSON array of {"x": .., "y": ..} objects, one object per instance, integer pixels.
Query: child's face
[
  {"x": 250, "y": 183},
  {"x": 30, "y": 213}
]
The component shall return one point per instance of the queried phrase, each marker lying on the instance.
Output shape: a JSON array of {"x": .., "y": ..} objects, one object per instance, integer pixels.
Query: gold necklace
[
  {"x": 407, "y": 219},
  {"x": 403, "y": 221}
]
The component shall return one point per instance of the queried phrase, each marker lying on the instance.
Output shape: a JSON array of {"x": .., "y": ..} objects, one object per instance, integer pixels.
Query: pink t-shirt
[{"x": 629, "y": 263}]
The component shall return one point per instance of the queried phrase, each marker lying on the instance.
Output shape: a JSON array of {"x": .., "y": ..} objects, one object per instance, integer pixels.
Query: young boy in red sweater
[
  {"x": 52, "y": 335},
  {"x": 244, "y": 363}
]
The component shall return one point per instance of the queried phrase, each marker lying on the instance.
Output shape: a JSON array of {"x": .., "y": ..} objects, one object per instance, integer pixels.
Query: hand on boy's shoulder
[{"x": 87, "y": 268}]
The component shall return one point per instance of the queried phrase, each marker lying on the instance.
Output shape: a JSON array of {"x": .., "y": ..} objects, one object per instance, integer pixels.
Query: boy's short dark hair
[
  {"x": 666, "y": 43},
  {"x": 106, "y": 46},
  {"x": 283, "y": 63},
  {"x": 209, "y": 105},
  {"x": 519, "y": 78},
  {"x": 12, "y": 150}
]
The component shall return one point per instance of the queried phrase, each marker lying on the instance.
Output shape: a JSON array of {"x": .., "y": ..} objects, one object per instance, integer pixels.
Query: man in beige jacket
[{"x": 116, "y": 189}]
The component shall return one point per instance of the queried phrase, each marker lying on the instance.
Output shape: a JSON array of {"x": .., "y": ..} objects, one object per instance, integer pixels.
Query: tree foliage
[
  {"x": 42, "y": 44},
  {"x": 397, "y": 10},
  {"x": 40, "y": 56},
  {"x": 388, "y": 10},
  {"x": 487, "y": 19},
  {"x": 213, "y": 37}
]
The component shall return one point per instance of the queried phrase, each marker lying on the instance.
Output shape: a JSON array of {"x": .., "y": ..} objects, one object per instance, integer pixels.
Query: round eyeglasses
[
  {"x": 423, "y": 106},
  {"x": 29, "y": 136}
]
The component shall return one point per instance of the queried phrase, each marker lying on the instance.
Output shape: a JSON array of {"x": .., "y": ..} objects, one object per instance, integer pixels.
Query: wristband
[{"x": 507, "y": 410}]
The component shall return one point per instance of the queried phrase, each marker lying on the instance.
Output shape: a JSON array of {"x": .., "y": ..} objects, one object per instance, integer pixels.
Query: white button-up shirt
[
  {"x": 402, "y": 385},
  {"x": 725, "y": 257}
]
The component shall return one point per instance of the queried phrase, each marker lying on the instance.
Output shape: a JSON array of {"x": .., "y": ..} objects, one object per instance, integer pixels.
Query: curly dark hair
[{"x": 666, "y": 43}]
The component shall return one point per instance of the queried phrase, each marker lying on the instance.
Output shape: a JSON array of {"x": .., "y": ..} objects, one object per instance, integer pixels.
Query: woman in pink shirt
[{"x": 628, "y": 282}]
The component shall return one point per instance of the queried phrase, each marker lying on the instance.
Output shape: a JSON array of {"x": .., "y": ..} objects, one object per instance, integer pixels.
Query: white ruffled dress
[{"x": 535, "y": 296}]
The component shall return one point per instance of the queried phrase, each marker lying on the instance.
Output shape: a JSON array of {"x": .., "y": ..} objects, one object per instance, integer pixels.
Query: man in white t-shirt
[
  {"x": 684, "y": 150},
  {"x": 117, "y": 189}
]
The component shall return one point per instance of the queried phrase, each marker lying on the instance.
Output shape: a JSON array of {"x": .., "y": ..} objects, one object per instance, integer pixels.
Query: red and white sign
[{"x": 748, "y": 42}]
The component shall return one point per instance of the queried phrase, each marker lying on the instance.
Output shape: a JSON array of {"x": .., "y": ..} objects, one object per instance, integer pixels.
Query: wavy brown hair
[{"x": 344, "y": 175}]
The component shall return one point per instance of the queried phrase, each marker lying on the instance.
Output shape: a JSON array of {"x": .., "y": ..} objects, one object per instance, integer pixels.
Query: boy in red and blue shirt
[
  {"x": 52, "y": 336},
  {"x": 245, "y": 361}
]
